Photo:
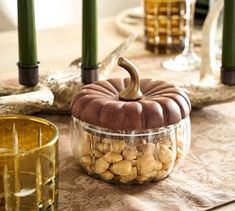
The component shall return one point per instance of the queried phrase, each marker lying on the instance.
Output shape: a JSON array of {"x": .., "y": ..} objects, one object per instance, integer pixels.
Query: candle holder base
[
  {"x": 89, "y": 75},
  {"x": 28, "y": 76},
  {"x": 228, "y": 76}
]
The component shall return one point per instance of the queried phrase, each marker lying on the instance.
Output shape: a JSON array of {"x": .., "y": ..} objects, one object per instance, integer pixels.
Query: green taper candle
[
  {"x": 89, "y": 41},
  {"x": 228, "y": 45},
  {"x": 28, "y": 62}
]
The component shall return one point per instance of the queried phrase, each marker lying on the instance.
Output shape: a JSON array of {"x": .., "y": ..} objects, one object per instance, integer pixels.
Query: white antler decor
[
  {"x": 208, "y": 66},
  {"x": 25, "y": 100}
]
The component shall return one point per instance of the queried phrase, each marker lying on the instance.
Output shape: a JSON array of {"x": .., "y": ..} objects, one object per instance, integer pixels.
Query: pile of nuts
[{"x": 127, "y": 161}]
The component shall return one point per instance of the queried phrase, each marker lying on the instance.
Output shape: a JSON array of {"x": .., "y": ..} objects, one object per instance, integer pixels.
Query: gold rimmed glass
[{"x": 28, "y": 163}]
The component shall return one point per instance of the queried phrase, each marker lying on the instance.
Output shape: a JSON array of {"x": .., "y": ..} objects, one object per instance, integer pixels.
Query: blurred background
[{"x": 53, "y": 13}]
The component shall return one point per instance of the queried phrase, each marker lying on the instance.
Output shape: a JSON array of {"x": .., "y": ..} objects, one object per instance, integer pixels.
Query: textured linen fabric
[{"x": 204, "y": 180}]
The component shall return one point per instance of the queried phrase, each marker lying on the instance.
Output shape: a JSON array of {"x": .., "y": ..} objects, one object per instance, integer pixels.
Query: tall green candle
[
  {"x": 27, "y": 33},
  {"x": 28, "y": 63},
  {"x": 89, "y": 41},
  {"x": 228, "y": 45}
]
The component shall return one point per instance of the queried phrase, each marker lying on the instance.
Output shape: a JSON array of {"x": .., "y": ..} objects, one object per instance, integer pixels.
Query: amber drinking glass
[
  {"x": 165, "y": 25},
  {"x": 28, "y": 163}
]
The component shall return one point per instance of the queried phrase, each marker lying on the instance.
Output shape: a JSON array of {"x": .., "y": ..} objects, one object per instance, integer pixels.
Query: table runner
[{"x": 204, "y": 180}]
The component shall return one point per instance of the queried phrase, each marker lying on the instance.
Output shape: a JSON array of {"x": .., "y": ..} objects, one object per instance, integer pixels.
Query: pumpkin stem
[{"x": 132, "y": 92}]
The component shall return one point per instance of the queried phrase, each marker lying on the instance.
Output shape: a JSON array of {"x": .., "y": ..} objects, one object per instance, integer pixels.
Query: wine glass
[{"x": 188, "y": 60}]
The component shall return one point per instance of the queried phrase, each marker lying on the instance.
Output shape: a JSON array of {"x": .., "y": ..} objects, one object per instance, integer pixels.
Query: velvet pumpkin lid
[{"x": 130, "y": 104}]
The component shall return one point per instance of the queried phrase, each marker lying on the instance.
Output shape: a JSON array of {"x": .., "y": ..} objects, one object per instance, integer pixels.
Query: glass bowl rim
[
  {"x": 51, "y": 142},
  {"x": 134, "y": 133}
]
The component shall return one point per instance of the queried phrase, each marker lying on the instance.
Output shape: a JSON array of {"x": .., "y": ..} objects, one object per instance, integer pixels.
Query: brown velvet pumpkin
[{"x": 130, "y": 104}]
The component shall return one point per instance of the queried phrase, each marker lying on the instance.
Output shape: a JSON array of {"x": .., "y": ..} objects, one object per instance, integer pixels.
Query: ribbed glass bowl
[{"x": 133, "y": 157}]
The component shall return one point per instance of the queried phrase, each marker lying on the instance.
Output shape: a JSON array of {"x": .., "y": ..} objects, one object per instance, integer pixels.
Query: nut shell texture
[{"x": 162, "y": 104}]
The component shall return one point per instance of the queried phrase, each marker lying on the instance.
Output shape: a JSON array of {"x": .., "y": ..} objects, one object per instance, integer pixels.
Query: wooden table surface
[{"x": 57, "y": 47}]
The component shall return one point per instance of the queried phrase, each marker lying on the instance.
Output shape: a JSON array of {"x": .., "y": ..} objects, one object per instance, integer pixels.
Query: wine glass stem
[{"x": 190, "y": 22}]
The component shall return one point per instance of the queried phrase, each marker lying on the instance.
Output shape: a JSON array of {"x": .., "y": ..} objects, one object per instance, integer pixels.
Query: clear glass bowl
[{"x": 134, "y": 157}]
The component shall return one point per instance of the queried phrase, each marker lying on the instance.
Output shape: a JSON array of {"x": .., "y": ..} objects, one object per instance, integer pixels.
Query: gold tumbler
[
  {"x": 165, "y": 25},
  {"x": 28, "y": 163}
]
